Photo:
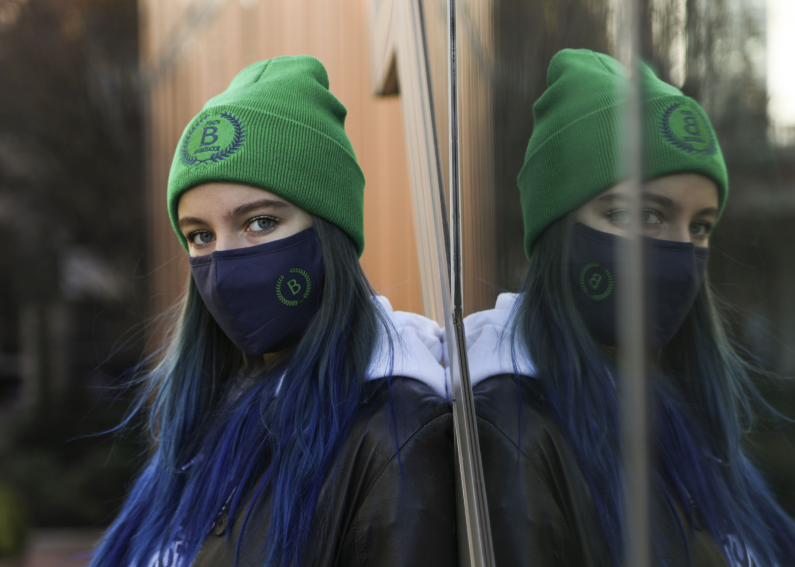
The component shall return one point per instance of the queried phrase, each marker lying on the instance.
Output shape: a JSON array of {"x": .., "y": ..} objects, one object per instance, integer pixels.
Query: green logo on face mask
[
  {"x": 596, "y": 284},
  {"x": 295, "y": 288}
]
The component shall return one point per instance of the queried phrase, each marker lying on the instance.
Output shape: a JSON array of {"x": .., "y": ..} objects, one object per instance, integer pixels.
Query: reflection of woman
[
  {"x": 556, "y": 500},
  {"x": 280, "y": 435}
]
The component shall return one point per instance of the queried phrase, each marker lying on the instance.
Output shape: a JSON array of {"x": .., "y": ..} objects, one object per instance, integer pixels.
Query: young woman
[
  {"x": 551, "y": 455},
  {"x": 295, "y": 419}
]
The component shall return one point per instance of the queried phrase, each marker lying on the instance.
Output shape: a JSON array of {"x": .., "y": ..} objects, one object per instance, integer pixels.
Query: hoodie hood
[
  {"x": 418, "y": 346},
  {"x": 488, "y": 337}
]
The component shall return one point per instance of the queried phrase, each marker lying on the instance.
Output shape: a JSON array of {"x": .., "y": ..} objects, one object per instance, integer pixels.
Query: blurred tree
[
  {"x": 12, "y": 523},
  {"x": 71, "y": 234},
  {"x": 70, "y": 146},
  {"x": 70, "y": 121}
]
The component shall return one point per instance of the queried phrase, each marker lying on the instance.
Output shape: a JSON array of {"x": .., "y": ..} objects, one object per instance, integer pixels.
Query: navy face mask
[
  {"x": 674, "y": 273},
  {"x": 263, "y": 296}
]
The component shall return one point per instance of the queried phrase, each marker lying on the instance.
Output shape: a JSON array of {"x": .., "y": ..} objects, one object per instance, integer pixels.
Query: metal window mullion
[
  {"x": 434, "y": 239},
  {"x": 480, "y": 548},
  {"x": 633, "y": 384}
]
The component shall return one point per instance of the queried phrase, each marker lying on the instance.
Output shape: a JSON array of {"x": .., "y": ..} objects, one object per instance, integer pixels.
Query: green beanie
[
  {"x": 276, "y": 127},
  {"x": 574, "y": 152}
]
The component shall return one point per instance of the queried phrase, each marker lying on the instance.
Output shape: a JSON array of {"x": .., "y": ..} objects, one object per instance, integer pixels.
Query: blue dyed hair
[
  {"x": 703, "y": 391},
  {"x": 217, "y": 441}
]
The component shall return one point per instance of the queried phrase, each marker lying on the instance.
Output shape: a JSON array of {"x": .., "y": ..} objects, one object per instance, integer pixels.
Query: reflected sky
[{"x": 780, "y": 78}]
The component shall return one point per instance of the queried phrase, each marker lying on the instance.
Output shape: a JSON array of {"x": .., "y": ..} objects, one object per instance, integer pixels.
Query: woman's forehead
[
  {"x": 218, "y": 196},
  {"x": 681, "y": 189}
]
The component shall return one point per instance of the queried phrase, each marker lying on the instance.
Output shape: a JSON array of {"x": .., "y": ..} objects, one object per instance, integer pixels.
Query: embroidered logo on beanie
[
  {"x": 212, "y": 138},
  {"x": 686, "y": 128}
]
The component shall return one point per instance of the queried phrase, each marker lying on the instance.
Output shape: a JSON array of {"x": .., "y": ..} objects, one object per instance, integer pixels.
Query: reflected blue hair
[
  {"x": 702, "y": 394},
  {"x": 217, "y": 443}
]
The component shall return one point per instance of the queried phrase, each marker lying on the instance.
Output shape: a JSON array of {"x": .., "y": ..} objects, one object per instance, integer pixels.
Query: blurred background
[{"x": 94, "y": 95}]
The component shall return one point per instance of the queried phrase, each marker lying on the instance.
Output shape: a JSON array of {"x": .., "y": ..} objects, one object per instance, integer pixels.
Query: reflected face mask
[
  {"x": 674, "y": 272},
  {"x": 263, "y": 296}
]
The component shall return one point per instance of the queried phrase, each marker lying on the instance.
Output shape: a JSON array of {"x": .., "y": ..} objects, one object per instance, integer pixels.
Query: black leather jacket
[
  {"x": 540, "y": 507},
  {"x": 373, "y": 509}
]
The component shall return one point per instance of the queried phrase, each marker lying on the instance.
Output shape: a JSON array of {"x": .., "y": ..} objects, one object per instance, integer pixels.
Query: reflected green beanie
[
  {"x": 276, "y": 127},
  {"x": 574, "y": 152}
]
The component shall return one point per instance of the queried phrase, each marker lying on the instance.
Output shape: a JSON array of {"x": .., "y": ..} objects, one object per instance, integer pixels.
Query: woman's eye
[
  {"x": 262, "y": 224},
  {"x": 650, "y": 217},
  {"x": 619, "y": 216},
  {"x": 201, "y": 238},
  {"x": 700, "y": 229}
]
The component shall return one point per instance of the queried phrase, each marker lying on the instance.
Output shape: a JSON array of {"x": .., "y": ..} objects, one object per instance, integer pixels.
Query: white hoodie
[
  {"x": 417, "y": 344},
  {"x": 418, "y": 348},
  {"x": 488, "y": 337}
]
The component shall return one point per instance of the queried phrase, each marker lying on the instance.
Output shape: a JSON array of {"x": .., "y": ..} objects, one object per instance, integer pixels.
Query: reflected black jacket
[
  {"x": 373, "y": 509},
  {"x": 540, "y": 507}
]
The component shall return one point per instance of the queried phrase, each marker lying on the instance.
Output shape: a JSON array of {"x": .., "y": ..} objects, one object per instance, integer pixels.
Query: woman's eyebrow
[
  {"x": 708, "y": 211},
  {"x": 187, "y": 221},
  {"x": 659, "y": 199},
  {"x": 255, "y": 205},
  {"x": 237, "y": 211},
  {"x": 653, "y": 197}
]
